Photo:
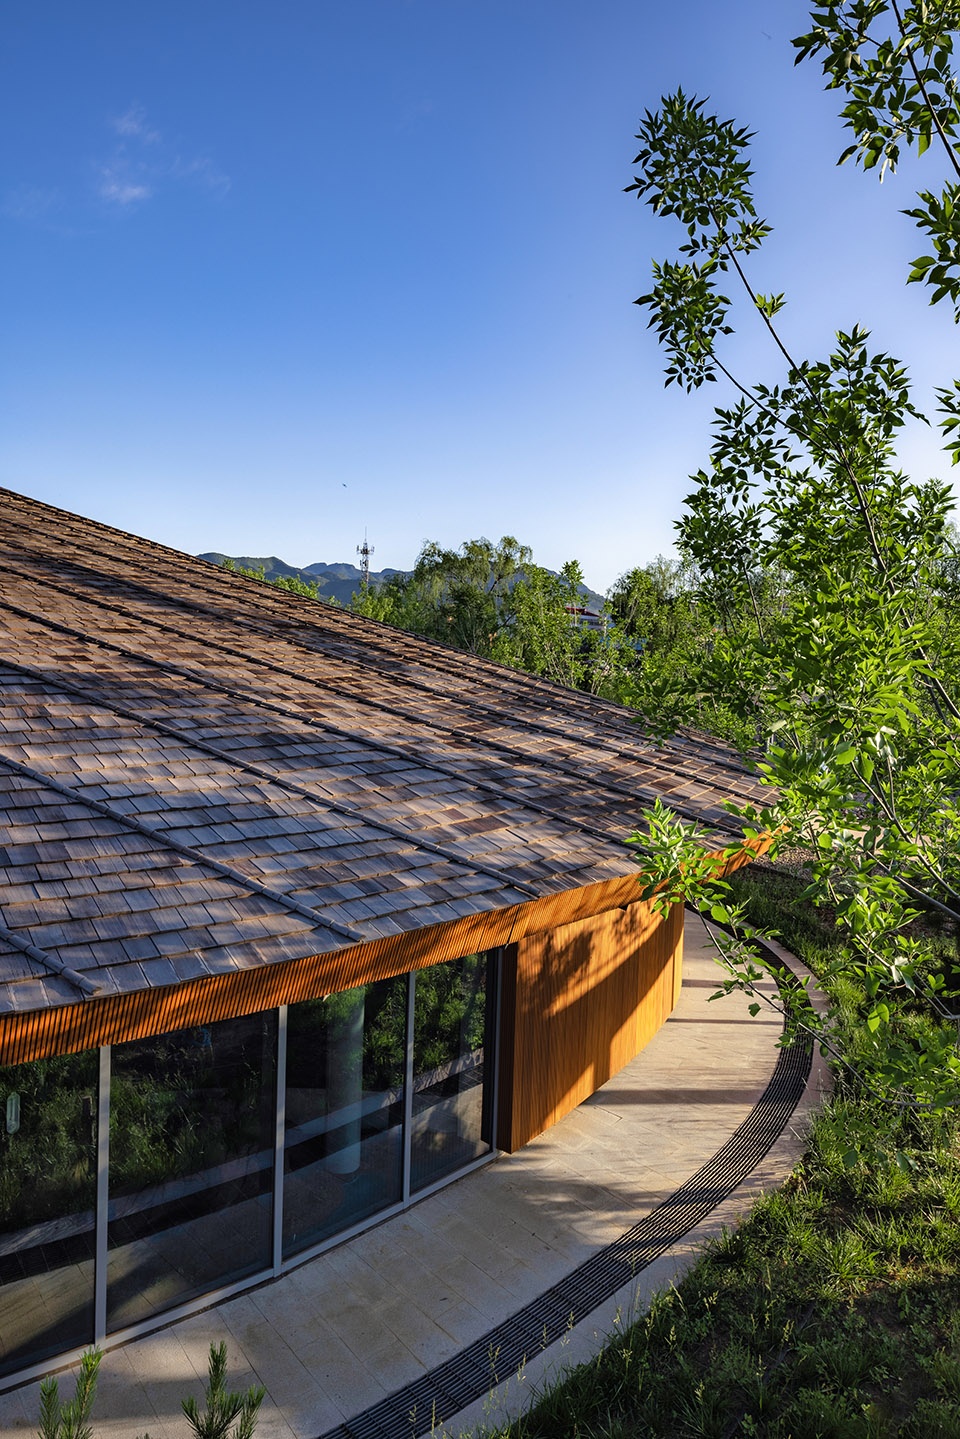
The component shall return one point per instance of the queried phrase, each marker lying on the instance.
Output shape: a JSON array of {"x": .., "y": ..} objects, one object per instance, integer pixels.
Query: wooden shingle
[{"x": 200, "y": 773}]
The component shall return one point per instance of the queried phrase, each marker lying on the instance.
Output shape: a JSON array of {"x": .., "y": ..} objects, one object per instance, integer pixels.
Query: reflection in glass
[
  {"x": 191, "y": 1164},
  {"x": 452, "y": 1034},
  {"x": 48, "y": 1188},
  {"x": 192, "y": 1133},
  {"x": 344, "y": 1110}
]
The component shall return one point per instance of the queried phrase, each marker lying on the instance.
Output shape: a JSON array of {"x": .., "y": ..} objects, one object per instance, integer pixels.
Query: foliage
[
  {"x": 458, "y": 597},
  {"x": 48, "y": 1167},
  {"x": 543, "y": 635},
  {"x": 309, "y": 589},
  {"x": 173, "y": 1112},
  {"x": 656, "y": 605},
  {"x": 450, "y": 1011},
  {"x": 493, "y": 601},
  {"x": 184, "y": 1102},
  {"x": 449, "y": 1017},
  {"x": 221, "y": 1406},
  {"x": 70, "y": 1421},
  {"x": 895, "y": 65},
  {"x": 660, "y": 608},
  {"x": 901, "y": 1060},
  {"x": 826, "y": 569},
  {"x": 834, "y": 1308}
]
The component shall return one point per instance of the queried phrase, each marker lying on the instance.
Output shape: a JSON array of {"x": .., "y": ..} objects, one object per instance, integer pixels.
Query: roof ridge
[
  {"x": 516, "y": 755},
  {"x": 236, "y": 876},
  {"x": 49, "y": 961},
  {"x": 281, "y": 781},
  {"x": 334, "y": 614}
]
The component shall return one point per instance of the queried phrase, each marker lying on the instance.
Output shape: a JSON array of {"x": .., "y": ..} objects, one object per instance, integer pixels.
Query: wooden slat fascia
[{"x": 116, "y": 1018}]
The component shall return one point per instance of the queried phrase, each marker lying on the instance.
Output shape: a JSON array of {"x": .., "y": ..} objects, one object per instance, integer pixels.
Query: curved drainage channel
[{"x": 469, "y": 1374}]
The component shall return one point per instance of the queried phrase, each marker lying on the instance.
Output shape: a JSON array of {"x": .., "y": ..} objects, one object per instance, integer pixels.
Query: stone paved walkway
[{"x": 334, "y": 1336}]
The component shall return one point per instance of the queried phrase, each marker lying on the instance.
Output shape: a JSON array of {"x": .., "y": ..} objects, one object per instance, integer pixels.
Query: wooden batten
[
  {"x": 115, "y": 1018},
  {"x": 581, "y": 1000}
]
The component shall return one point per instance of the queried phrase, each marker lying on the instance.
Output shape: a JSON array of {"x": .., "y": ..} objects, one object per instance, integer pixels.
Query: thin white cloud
[
  {"x": 118, "y": 188},
  {"x": 132, "y": 125},
  {"x": 138, "y": 169},
  {"x": 142, "y": 164}
]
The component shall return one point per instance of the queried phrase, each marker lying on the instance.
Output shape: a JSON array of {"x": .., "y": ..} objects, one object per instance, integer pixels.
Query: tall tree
[
  {"x": 546, "y": 633},
  {"x": 459, "y": 597},
  {"x": 495, "y": 602},
  {"x": 852, "y": 677}
]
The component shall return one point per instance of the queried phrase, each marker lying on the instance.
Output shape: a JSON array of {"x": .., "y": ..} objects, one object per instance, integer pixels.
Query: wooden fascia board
[{"x": 116, "y": 1018}]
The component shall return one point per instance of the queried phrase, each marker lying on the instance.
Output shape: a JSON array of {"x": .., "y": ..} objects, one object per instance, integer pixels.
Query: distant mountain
[{"x": 334, "y": 582}]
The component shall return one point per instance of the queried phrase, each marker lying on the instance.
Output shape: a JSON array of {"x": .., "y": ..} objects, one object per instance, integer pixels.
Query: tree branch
[{"x": 921, "y": 85}]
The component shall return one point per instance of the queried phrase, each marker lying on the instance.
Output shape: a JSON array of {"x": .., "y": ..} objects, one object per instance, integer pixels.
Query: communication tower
[{"x": 365, "y": 551}]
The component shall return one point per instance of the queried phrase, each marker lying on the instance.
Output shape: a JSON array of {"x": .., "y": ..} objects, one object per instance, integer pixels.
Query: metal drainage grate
[{"x": 502, "y": 1350}]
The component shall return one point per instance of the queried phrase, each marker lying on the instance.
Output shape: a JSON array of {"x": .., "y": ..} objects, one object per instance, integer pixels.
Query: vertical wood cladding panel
[{"x": 580, "y": 1001}]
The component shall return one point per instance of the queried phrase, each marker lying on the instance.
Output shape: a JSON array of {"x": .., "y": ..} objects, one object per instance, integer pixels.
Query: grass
[{"x": 833, "y": 1310}]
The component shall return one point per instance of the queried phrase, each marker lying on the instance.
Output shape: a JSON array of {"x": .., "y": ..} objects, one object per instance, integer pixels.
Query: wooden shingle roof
[{"x": 201, "y": 773}]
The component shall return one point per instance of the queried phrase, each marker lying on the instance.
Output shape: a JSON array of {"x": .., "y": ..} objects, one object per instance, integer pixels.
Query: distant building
[
  {"x": 582, "y": 617},
  {"x": 300, "y": 918}
]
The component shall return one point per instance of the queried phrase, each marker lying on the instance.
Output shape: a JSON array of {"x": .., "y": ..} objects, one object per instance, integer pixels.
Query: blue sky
[{"x": 275, "y": 274}]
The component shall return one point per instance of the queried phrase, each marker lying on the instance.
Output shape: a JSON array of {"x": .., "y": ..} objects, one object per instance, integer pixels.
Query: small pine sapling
[
  {"x": 222, "y": 1406},
  {"x": 70, "y": 1421}
]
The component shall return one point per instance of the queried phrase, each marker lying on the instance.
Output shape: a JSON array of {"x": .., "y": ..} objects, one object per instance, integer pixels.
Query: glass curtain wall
[
  {"x": 343, "y": 1147},
  {"x": 452, "y": 1111},
  {"x": 192, "y": 1122},
  {"x": 48, "y": 1194},
  {"x": 388, "y": 1090}
]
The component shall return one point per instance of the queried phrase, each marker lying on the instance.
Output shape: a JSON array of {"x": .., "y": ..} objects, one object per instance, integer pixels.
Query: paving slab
[{"x": 332, "y": 1337}]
